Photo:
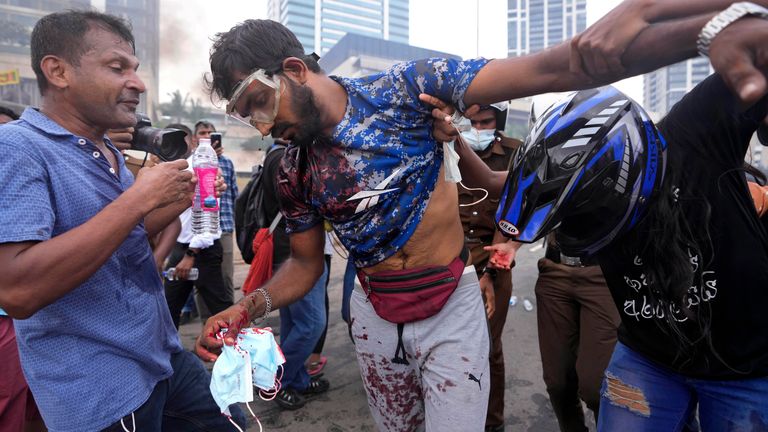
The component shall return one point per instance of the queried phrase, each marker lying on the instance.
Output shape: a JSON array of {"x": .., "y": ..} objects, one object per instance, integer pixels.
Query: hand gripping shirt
[{"x": 372, "y": 179}]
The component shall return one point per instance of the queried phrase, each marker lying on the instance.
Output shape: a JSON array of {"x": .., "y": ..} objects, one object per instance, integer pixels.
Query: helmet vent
[{"x": 571, "y": 161}]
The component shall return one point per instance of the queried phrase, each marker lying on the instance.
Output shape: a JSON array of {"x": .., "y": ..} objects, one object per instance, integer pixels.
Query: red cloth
[
  {"x": 16, "y": 401},
  {"x": 261, "y": 266}
]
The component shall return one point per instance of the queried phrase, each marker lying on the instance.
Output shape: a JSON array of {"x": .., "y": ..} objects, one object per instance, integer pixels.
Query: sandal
[
  {"x": 314, "y": 368},
  {"x": 289, "y": 399},
  {"x": 316, "y": 386}
]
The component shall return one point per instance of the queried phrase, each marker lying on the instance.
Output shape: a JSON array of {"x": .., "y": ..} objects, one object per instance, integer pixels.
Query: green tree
[
  {"x": 177, "y": 107},
  {"x": 197, "y": 111}
]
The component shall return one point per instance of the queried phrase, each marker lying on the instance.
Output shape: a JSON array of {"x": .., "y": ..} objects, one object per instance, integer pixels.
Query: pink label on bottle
[{"x": 206, "y": 179}]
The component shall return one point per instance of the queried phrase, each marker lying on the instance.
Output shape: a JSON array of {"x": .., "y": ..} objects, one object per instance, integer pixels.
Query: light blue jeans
[
  {"x": 442, "y": 381},
  {"x": 640, "y": 395},
  {"x": 301, "y": 324}
]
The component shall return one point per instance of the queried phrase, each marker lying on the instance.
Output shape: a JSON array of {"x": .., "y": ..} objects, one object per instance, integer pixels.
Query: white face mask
[{"x": 478, "y": 140}]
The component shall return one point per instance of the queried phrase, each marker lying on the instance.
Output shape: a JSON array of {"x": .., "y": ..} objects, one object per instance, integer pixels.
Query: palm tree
[
  {"x": 197, "y": 111},
  {"x": 177, "y": 107}
]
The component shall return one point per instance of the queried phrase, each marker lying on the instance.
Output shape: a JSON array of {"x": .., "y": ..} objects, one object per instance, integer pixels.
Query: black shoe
[
  {"x": 499, "y": 428},
  {"x": 289, "y": 399},
  {"x": 316, "y": 386}
]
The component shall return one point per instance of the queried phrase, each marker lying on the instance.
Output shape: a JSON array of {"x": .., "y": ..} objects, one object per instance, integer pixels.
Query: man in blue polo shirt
[{"x": 96, "y": 341}]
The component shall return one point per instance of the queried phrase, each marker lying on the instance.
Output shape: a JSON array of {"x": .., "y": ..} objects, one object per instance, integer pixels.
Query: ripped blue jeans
[{"x": 640, "y": 395}]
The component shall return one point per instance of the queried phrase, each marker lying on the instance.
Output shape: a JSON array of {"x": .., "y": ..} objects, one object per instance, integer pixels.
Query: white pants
[{"x": 445, "y": 385}]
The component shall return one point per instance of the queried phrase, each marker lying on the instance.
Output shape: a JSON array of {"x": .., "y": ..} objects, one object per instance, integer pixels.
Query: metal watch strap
[
  {"x": 267, "y": 304},
  {"x": 725, "y": 18}
]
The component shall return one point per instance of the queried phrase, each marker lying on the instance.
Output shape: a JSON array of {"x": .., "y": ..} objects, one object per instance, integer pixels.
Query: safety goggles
[{"x": 260, "y": 94}]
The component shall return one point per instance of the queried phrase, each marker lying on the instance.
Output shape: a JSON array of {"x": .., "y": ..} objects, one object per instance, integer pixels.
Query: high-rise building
[
  {"x": 320, "y": 24},
  {"x": 18, "y": 84},
  {"x": 144, "y": 18},
  {"x": 357, "y": 55},
  {"x": 533, "y": 25},
  {"x": 666, "y": 86}
]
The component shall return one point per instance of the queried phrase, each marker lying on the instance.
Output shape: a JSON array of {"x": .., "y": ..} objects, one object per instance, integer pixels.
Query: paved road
[{"x": 344, "y": 407}]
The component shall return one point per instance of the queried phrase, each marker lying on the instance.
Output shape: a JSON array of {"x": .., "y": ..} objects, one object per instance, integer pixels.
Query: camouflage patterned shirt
[{"x": 372, "y": 179}]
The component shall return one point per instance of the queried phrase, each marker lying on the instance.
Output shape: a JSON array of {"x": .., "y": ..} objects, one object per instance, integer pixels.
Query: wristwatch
[
  {"x": 725, "y": 18},
  {"x": 191, "y": 253},
  {"x": 490, "y": 272}
]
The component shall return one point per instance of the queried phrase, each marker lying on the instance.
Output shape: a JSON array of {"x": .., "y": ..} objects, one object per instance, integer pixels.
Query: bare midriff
[{"x": 439, "y": 237}]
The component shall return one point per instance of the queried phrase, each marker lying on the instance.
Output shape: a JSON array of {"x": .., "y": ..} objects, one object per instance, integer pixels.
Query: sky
[{"x": 451, "y": 26}]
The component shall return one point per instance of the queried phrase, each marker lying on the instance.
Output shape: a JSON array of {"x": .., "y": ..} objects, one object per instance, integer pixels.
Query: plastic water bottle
[
  {"x": 513, "y": 300},
  {"x": 170, "y": 274},
  {"x": 527, "y": 305},
  {"x": 205, "y": 206}
]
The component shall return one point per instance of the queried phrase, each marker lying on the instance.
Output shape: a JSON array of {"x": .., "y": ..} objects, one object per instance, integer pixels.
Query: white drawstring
[
  {"x": 254, "y": 416},
  {"x": 235, "y": 424},
  {"x": 268, "y": 395},
  {"x": 133, "y": 422},
  {"x": 454, "y": 122},
  {"x": 474, "y": 189},
  {"x": 337, "y": 246}
]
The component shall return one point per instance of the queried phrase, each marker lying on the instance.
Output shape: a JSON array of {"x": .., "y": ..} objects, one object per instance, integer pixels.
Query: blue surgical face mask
[
  {"x": 265, "y": 356},
  {"x": 253, "y": 360},
  {"x": 478, "y": 140},
  {"x": 231, "y": 380}
]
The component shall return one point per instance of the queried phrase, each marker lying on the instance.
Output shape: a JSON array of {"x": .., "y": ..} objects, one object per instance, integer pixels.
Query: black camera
[{"x": 167, "y": 144}]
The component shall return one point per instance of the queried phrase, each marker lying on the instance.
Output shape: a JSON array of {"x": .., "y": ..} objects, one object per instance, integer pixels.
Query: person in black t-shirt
[
  {"x": 675, "y": 232},
  {"x": 705, "y": 242},
  {"x": 686, "y": 260}
]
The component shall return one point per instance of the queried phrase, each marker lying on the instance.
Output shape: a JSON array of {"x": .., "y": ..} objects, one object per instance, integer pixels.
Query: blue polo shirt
[{"x": 95, "y": 354}]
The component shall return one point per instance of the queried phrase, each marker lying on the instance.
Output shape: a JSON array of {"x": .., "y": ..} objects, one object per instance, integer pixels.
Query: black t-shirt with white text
[{"x": 707, "y": 135}]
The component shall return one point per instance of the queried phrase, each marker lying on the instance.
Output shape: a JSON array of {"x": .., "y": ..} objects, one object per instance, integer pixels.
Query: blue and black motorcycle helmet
[{"x": 588, "y": 169}]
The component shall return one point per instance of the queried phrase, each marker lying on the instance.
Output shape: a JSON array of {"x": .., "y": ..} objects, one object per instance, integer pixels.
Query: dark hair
[
  {"x": 252, "y": 44},
  {"x": 9, "y": 112},
  {"x": 180, "y": 126},
  {"x": 204, "y": 123},
  {"x": 681, "y": 217},
  {"x": 63, "y": 34}
]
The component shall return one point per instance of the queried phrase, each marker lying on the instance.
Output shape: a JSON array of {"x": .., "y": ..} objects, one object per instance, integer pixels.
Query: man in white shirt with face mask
[{"x": 477, "y": 210}]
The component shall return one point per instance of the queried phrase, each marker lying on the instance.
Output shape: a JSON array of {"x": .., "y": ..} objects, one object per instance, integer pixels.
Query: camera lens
[{"x": 167, "y": 144}]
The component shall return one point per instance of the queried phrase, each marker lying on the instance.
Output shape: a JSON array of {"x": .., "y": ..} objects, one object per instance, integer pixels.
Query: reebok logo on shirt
[{"x": 371, "y": 198}]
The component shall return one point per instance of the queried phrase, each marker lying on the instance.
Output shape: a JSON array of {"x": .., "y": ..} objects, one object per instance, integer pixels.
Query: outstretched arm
[
  {"x": 599, "y": 49},
  {"x": 657, "y": 45}
]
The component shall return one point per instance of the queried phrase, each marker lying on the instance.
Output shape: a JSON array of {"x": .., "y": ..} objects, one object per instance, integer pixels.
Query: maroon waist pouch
[{"x": 403, "y": 296}]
